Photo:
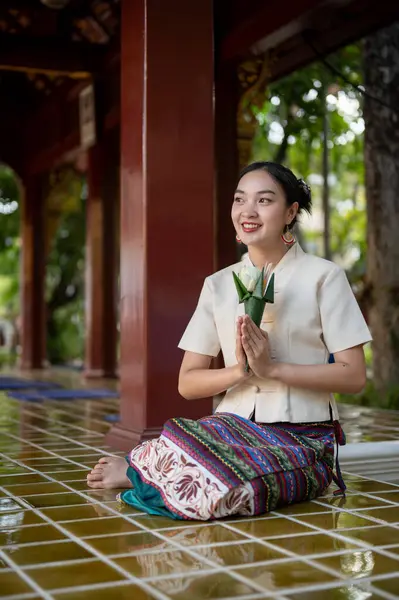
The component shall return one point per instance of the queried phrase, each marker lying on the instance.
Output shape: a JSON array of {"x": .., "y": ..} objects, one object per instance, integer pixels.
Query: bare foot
[{"x": 109, "y": 473}]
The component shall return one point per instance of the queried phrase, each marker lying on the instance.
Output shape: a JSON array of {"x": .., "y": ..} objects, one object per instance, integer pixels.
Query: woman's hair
[{"x": 295, "y": 190}]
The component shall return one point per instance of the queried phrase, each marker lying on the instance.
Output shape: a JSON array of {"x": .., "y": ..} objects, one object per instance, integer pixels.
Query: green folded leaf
[
  {"x": 254, "y": 307},
  {"x": 269, "y": 293},
  {"x": 240, "y": 287},
  {"x": 258, "y": 290}
]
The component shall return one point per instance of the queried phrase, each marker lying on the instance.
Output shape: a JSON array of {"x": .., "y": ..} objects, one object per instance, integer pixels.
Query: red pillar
[
  {"x": 167, "y": 198},
  {"x": 33, "y": 311},
  {"x": 101, "y": 272},
  {"x": 226, "y": 155}
]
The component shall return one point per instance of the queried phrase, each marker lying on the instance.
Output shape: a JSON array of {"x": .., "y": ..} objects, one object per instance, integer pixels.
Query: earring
[
  {"x": 288, "y": 237},
  {"x": 238, "y": 239}
]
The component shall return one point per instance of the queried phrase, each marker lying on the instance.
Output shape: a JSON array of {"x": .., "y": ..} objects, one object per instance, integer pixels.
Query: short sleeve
[
  {"x": 201, "y": 335},
  {"x": 343, "y": 324}
]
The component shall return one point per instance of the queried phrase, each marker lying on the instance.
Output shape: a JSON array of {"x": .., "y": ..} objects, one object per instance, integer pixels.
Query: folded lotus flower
[
  {"x": 255, "y": 288},
  {"x": 248, "y": 276}
]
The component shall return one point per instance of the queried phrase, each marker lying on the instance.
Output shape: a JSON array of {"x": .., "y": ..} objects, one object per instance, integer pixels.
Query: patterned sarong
[{"x": 226, "y": 465}]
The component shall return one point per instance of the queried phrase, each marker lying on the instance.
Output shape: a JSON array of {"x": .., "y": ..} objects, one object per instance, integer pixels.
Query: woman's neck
[{"x": 261, "y": 256}]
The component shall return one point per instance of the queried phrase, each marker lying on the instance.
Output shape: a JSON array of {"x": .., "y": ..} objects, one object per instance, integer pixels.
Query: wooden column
[
  {"x": 227, "y": 168},
  {"x": 33, "y": 310},
  {"x": 167, "y": 203},
  {"x": 101, "y": 272}
]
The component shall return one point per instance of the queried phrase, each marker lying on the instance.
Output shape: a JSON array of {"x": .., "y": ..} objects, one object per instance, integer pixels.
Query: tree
[
  {"x": 66, "y": 227},
  {"x": 10, "y": 246},
  {"x": 305, "y": 123},
  {"x": 381, "y": 70}
]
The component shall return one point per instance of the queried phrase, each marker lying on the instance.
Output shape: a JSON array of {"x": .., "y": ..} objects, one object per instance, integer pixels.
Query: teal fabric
[{"x": 145, "y": 497}]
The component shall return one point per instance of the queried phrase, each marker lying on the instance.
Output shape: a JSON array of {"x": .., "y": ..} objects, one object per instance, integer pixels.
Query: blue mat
[
  {"x": 14, "y": 383},
  {"x": 39, "y": 396},
  {"x": 112, "y": 418}
]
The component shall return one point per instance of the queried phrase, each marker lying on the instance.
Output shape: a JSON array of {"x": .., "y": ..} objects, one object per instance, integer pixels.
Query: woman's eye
[
  {"x": 238, "y": 199},
  {"x": 264, "y": 200}
]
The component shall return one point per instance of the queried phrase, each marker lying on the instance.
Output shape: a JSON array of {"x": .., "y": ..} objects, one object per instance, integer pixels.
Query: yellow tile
[
  {"x": 336, "y": 520},
  {"x": 70, "y": 475},
  {"x": 302, "y": 508},
  {"x": 84, "y": 511},
  {"x": 121, "y": 592},
  {"x": 376, "y": 536},
  {"x": 391, "y": 496},
  {"x": 160, "y": 564},
  {"x": 32, "y": 453},
  {"x": 263, "y": 528},
  {"x": 388, "y": 585},
  {"x": 372, "y": 486},
  {"x": 80, "y": 452},
  {"x": 9, "y": 504},
  {"x": 57, "y": 468},
  {"x": 49, "y": 500},
  {"x": 277, "y": 576},
  {"x": 69, "y": 575},
  {"x": 10, "y": 583},
  {"x": 11, "y": 468},
  {"x": 106, "y": 526},
  {"x": 360, "y": 563},
  {"x": 206, "y": 587},
  {"x": 317, "y": 543},
  {"x": 124, "y": 544},
  {"x": 390, "y": 515},
  {"x": 342, "y": 592},
  {"x": 203, "y": 536},
  {"x": 80, "y": 486},
  {"x": 239, "y": 554},
  {"x": 26, "y": 535},
  {"x": 354, "y": 502},
  {"x": 21, "y": 479},
  {"x": 12, "y": 520},
  {"x": 47, "y": 553},
  {"x": 31, "y": 489}
]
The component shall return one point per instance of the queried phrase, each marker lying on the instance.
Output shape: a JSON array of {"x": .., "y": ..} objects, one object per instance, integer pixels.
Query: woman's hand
[
  {"x": 240, "y": 354},
  {"x": 255, "y": 343}
]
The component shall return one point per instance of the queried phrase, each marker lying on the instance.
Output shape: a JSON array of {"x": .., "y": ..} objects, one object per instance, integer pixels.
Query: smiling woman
[{"x": 271, "y": 441}]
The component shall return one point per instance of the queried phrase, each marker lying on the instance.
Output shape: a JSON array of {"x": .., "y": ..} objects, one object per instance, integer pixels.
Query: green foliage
[
  {"x": 291, "y": 131},
  {"x": 10, "y": 243},
  {"x": 370, "y": 397},
  {"x": 65, "y": 263},
  {"x": 65, "y": 277}
]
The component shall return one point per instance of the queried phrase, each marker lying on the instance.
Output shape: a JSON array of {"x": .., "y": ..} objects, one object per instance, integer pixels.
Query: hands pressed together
[{"x": 253, "y": 344}]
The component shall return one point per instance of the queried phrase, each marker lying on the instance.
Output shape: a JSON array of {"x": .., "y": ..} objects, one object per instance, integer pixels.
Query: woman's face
[{"x": 260, "y": 210}]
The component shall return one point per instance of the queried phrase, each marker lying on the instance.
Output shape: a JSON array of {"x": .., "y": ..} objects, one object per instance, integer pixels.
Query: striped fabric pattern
[{"x": 225, "y": 464}]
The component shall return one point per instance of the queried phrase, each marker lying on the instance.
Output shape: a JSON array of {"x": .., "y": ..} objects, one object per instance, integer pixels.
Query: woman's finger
[
  {"x": 255, "y": 331},
  {"x": 248, "y": 346},
  {"x": 256, "y": 342}
]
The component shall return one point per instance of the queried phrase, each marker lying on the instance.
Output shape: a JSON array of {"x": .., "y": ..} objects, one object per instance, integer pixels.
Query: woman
[{"x": 271, "y": 441}]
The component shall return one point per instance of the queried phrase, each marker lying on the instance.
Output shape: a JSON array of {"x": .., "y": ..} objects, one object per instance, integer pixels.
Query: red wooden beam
[
  {"x": 344, "y": 29},
  {"x": 266, "y": 19},
  {"x": 53, "y": 55}
]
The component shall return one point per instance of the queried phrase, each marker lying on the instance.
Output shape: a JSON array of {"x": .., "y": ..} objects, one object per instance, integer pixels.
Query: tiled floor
[{"x": 59, "y": 539}]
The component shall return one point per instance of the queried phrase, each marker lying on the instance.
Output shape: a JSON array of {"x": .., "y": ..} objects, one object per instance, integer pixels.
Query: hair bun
[{"x": 305, "y": 188}]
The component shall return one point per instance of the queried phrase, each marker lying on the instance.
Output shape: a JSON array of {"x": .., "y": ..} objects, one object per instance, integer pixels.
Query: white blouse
[{"x": 314, "y": 314}]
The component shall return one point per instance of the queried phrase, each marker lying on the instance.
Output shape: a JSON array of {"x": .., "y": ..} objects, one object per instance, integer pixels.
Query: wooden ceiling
[{"x": 41, "y": 47}]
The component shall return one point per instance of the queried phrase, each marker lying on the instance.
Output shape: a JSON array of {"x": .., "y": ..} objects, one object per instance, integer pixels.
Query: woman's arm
[
  {"x": 346, "y": 376},
  {"x": 197, "y": 380}
]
